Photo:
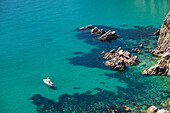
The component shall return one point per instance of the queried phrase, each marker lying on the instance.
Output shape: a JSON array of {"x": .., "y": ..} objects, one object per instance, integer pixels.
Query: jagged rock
[
  {"x": 162, "y": 50},
  {"x": 163, "y": 104},
  {"x": 164, "y": 38},
  {"x": 103, "y": 35},
  {"x": 156, "y": 32},
  {"x": 93, "y": 30},
  {"x": 136, "y": 50},
  {"x": 159, "y": 69},
  {"x": 152, "y": 109},
  {"x": 89, "y": 26},
  {"x": 111, "y": 111},
  {"x": 108, "y": 35},
  {"x": 155, "y": 52},
  {"x": 119, "y": 59},
  {"x": 166, "y": 56},
  {"x": 82, "y": 28},
  {"x": 126, "y": 108}
]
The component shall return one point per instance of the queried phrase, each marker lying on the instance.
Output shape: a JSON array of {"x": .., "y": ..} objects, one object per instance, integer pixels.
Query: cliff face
[
  {"x": 162, "y": 50},
  {"x": 164, "y": 39}
]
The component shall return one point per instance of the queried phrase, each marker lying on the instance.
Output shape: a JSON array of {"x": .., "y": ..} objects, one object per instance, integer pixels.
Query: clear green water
[{"x": 38, "y": 39}]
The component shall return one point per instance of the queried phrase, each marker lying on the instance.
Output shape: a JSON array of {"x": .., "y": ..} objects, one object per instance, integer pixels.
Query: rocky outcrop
[
  {"x": 163, "y": 44},
  {"x": 136, "y": 50},
  {"x": 157, "y": 32},
  {"x": 153, "y": 109},
  {"x": 119, "y": 59},
  {"x": 109, "y": 35},
  {"x": 163, "y": 66},
  {"x": 162, "y": 50}
]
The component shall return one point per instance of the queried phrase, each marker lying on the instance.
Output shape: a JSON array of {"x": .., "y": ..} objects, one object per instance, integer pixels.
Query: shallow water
[{"x": 38, "y": 39}]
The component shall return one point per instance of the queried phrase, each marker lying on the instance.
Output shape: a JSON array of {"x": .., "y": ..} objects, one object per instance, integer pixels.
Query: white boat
[{"x": 48, "y": 82}]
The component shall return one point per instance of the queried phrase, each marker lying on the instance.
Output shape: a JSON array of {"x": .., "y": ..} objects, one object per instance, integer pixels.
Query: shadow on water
[
  {"x": 139, "y": 92},
  {"x": 52, "y": 88},
  {"x": 128, "y": 38},
  {"x": 101, "y": 102},
  {"x": 137, "y": 95}
]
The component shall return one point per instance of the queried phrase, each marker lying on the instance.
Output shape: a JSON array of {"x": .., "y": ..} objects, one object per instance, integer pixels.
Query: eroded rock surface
[
  {"x": 162, "y": 50},
  {"x": 119, "y": 59}
]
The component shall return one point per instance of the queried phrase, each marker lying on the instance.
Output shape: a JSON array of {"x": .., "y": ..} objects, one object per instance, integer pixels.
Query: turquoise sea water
[{"x": 39, "y": 39}]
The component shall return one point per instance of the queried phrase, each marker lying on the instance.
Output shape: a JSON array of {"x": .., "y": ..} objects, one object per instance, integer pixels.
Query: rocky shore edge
[
  {"x": 162, "y": 50},
  {"x": 164, "y": 107}
]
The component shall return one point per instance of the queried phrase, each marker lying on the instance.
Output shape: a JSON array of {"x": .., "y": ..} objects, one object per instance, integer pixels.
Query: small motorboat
[{"x": 48, "y": 82}]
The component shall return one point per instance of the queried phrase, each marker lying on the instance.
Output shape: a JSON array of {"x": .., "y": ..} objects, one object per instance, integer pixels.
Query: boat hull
[{"x": 51, "y": 84}]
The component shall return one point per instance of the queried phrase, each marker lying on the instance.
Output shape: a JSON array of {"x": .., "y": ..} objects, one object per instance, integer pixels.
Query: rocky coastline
[
  {"x": 119, "y": 59},
  {"x": 162, "y": 50}
]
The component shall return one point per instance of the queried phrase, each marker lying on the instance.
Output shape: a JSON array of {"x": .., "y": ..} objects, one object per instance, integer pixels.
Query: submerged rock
[{"x": 118, "y": 59}]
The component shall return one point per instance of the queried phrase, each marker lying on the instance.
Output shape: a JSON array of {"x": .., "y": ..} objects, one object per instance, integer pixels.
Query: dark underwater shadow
[
  {"x": 102, "y": 102},
  {"x": 128, "y": 38},
  {"x": 137, "y": 95}
]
